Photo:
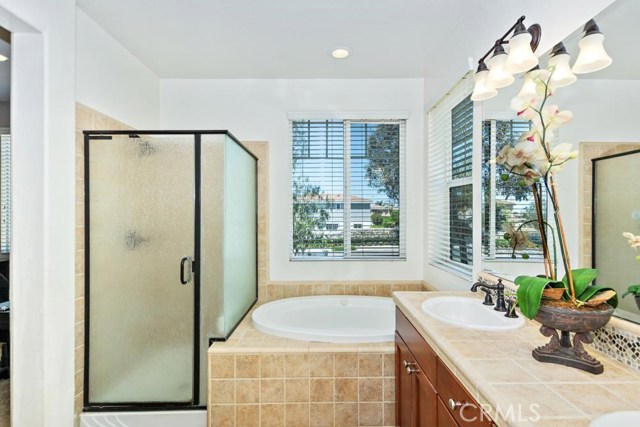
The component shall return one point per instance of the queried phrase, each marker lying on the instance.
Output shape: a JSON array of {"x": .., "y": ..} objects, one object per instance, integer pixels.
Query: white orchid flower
[
  {"x": 525, "y": 107},
  {"x": 554, "y": 118},
  {"x": 634, "y": 241}
]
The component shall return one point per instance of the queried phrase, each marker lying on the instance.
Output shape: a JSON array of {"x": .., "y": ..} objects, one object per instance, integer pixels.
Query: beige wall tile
[
  {"x": 222, "y": 391},
  {"x": 370, "y": 364},
  {"x": 271, "y": 415},
  {"x": 321, "y": 415},
  {"x": 346, "y": 365},
  {"x": 221, "y": 366},
  {"x": 346, "y": 389},
  {"x": 321, "y": 390},
  {"x": 367, "y": 289},
  {"x": 321, "y": 364},
  {"x": 297, "y": 365},
  {"x": 346, "y": 414},
  {"x": 248, "y": 415},
  {"x": 370, "y": 389},
  {"x": 296, "y": 390},
  {"x": 247, "y": 391},
  {"x": 296, "y": 414},
  {"x": 272, "y": 365},
  {"x": 84, "y": 118},
  {"x": 351, "y": 289},
  {"x": 248, "y": 366},
  {"x": 389, "y": 389},
  {"x": 389, "y": 365},
  {"x": 271, "y": 390},
  {"x": 222, "y": 415},
  {"x": 336, "y": 289},
  {"x": 370, "y": 414},
  {"x": 389, "y": 415}
]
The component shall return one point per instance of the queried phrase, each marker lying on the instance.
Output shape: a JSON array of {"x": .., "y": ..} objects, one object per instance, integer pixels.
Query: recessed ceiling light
[
  {"x": 340, "y": 52},
  {"x": 3, "y": 58}
]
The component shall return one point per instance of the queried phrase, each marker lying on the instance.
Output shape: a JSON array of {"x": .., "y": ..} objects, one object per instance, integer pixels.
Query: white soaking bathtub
[
  {"x": 330, "y": 318},
  {"x": 195, "y": 418}
]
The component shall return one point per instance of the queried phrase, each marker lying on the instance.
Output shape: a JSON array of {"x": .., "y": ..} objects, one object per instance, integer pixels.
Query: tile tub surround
[
  {"x": 278, "y": 290},
  {"x": 261, "y": 380},
  {"x": 498, "y": 371}
]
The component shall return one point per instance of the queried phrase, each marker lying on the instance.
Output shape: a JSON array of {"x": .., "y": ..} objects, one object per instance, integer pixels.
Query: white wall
[
  {"x": 42, "y": 258},
  {"x": 255, "y": 110},
  {"x": 111, "y": 80}
]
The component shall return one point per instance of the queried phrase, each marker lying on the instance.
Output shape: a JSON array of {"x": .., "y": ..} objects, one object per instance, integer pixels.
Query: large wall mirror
[{"x": 605, "y": 122}]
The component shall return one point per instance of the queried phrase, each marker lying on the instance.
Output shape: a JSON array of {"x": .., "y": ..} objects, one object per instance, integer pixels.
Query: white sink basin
[
  {"x": 618, "y": 419},
  {"x": 469, "y": 313}
]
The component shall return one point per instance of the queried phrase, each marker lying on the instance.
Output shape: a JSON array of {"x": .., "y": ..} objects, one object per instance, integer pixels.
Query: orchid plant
[
  {"x": 634, "y": 242},
  {"x": 535, "y": 161}
]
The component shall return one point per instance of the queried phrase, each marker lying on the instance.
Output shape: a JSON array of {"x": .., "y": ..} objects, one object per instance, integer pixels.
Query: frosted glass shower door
[
  {"x": 141, "y": 318},
  {"x": 240, "y": 231}
]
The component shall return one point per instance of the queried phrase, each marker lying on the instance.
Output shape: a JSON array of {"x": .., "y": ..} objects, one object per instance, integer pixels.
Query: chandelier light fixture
[{"x": 499, "y": 70}]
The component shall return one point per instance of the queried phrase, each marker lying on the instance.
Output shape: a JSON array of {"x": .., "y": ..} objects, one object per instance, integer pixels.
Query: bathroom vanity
[
  {"x": 427, "y": 393},
  {"x": 449, "y": 376}
]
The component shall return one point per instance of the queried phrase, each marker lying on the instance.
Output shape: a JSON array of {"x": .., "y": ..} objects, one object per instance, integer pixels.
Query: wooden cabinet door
[
  {"x": 426, "y": 401},
  {"x": 444, "y": 417},
  {"x": 404, "y": 386},
  {"x": 416, "y": 398}
]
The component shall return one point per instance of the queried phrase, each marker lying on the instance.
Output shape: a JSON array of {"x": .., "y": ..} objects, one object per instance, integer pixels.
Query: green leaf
[
  {"x": 633, "y": 289},
  {"x": 590, "y": 291},
  {"x": 530, "y": 293},
  {"x": 582, "y": 277}
]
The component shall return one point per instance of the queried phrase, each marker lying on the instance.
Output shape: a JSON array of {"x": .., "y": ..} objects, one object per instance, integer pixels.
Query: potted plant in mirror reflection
[
  {"x": 634, "y": 242},
  {"x": 571, "y": 303}
]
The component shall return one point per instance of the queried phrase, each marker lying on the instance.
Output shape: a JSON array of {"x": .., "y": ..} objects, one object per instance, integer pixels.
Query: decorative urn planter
[{"x": 561, "y": 349}]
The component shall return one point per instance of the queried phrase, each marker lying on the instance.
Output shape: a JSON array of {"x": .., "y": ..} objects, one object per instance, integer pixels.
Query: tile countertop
[{"x": 498, "y": 370}]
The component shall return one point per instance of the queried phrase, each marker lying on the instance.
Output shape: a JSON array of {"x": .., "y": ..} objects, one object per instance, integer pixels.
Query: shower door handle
[{"x": 186, "y": 260}]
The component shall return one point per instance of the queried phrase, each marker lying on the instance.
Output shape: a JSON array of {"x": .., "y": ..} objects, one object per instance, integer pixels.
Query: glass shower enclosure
[{"x": 170, "y": 262}]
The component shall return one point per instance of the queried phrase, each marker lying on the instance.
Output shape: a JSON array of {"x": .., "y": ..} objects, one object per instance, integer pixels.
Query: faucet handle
[
  {"x": 511, "y": 308},
  {"x": 488, "y": 300}
]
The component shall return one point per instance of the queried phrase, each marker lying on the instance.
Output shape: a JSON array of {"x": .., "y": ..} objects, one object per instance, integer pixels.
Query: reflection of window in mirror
[
  {"x": 5, "y": 194},
  {"x": 508, "y": 208},
  {"x": 459, "y": 183}
]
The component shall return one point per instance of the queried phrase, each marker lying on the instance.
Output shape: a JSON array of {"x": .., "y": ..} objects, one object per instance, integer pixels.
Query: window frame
[{"x": 346, "y": 205}]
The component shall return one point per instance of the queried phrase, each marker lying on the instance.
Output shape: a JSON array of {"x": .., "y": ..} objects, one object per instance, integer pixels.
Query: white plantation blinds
[
  {"x": 347, "y": 180},
  {"x": 5, "y": 193},
  {"x": 449, "y": 182}
]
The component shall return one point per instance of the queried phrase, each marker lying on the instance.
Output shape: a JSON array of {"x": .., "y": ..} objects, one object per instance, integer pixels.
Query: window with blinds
[
  {"x": 5, "y": 193},
  {"x": 449, "y": 182},
  {"x": 347, "y": 181},
  {"x": 506, "y": 205}
]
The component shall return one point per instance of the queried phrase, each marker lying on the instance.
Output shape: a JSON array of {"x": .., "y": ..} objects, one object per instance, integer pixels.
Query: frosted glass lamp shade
[
  {"x": 592, "y": 56},
  {"x": 483, "y": 89},
  {"x": 528, "y": 90},
  {"x": 498, "y": 74},
  {"x": 521, "y": 58},
  {"x": 562, "y": 75}
]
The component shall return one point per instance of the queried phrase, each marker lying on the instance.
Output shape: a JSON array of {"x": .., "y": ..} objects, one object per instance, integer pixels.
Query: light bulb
[{"x": 498, "y": 74}]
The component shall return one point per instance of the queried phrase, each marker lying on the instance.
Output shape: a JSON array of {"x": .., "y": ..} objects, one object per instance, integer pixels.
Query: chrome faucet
[{"x": 487, "y": 288}]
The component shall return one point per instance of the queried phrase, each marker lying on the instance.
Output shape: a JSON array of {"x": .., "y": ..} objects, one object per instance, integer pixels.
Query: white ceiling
[{"x": 292, "y": 38}]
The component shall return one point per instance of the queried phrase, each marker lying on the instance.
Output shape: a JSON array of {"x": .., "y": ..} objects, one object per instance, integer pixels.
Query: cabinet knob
[
  {"x": 453, "y": 405},
  {"x": 411, "y": 368}
]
